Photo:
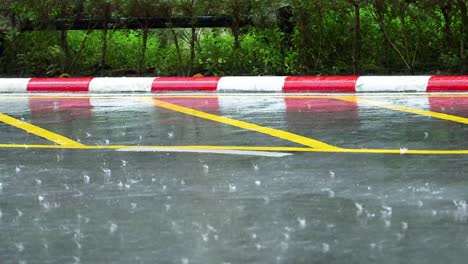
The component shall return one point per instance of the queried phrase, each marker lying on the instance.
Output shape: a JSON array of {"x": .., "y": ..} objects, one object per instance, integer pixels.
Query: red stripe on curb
[
  {"x": 59, "y": 84},
  {"x": 185, "y": 84},
  {"x": 448, "y": 84},
  {"x": 332, "y": 84}
]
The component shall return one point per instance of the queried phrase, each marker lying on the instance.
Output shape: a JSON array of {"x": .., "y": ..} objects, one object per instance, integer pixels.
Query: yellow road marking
[
  {"x": 317, "y": 146},
  {"x": 245, "y": 125},
  {"x": 411, "y": 110},
  {"x": 91, "y": 147},
  {"x": 248, "y": 148},
  {"x": 56, "y": 138}
]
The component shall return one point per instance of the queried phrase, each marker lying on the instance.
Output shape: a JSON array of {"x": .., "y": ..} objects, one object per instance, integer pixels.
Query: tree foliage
[{"x": 321, "y": 37}]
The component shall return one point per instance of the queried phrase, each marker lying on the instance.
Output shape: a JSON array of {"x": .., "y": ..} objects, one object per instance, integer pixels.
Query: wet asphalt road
[{"x": 121, "y": 201}]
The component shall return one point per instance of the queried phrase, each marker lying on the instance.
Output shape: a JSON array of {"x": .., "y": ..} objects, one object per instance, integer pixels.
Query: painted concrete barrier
[{"x": 317, "y": 84}]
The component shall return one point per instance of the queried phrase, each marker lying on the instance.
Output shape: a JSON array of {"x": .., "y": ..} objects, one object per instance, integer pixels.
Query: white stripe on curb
[
  {"x": 392, "y": 83},
  {"x": 14, "y": 85},
  {"x": 121, "y": 84},
  {"x": 251, "y": 84}
]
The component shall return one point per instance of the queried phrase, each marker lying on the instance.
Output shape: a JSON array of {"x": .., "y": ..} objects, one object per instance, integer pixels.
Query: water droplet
[
  {"x": 86, "y": 179},
  {"x": 38, "y": 182},
  {"x": 76, "y": 260},
  {"x": 206, "y": 168},
  {"x": 399, "y": 236},
  {"x": 255, "y": 166},
  {"x": 1, "y": 214},
  {"x": 88, "y": 135},
  {"x": 124, "y": 163},
  {"x": 302, "y": 222},
  {"x": 254, "y": 236},
  {"x": 461, "y": 213},
  {"x": 387, "y": 223},
  {"x": 167, "y": 207},
  {"x": 133, "y": 181},
  {"x": 386, "y": 211},
  {"x": 107, "y": 172},
  {"x": 205, "y": 237},
  {"x": 232, "y": 188},
  {"x": 420, "y": 203},
  {"x": 404, "y": 225},
  {"x": 211, "y": 228},
  {"x": 258, "y": 183},
  {"x": 359, "y": 208},
  {"x": 17, "y": 169},
  {"x": 1, "y": 187},
  {"x": 426, "y": 135},
  {"x": 170, "y": 135},
  {"x": 332, "y": 174},
  {"x": 112, "y": 227},
  {"x": 331, "y": 193},
  {"x": 107, "y": 141},
  {"x": 40, "y": 198},
  {"x": 185, "y": 261},
  {"x": 403, "y": 150},
  {"x": 325, "y": 247},
  {"x": 19, "y": 246},
  {"x": 182, "y": 182}
]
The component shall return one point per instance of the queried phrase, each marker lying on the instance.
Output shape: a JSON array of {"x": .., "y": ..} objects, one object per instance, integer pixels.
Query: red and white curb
[{"x": 313, "y": 84}]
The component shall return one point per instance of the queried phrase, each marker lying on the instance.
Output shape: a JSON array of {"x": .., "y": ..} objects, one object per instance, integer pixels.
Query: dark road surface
[{"x": 187, "y": 178}]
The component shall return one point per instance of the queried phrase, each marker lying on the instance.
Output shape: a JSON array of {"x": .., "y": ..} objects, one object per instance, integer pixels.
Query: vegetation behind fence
[{"x": 290, "y": 37}]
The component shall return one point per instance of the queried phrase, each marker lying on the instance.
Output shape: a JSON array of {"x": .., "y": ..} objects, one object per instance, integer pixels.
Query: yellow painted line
[
  {"x": 247, "y": 148},
  {"x": 411, "y": 110},
  {"x": 248, "y": 126},
  {"x": 406, "y": 152},
  {"x": 113, "y": 147},
  {"x": 56, "y": 138}
]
